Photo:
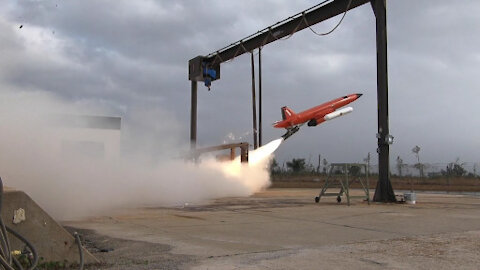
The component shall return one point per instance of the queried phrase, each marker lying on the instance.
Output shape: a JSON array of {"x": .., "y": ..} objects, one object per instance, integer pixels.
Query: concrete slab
[
  {"x": 284, "y": 229},
  {"x": 52, "y": 242}
]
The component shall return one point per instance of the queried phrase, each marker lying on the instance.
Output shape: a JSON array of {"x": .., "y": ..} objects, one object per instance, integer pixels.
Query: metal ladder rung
[
  {"x": 335, "y": 181},
  {"x": 329, "y": 194}
]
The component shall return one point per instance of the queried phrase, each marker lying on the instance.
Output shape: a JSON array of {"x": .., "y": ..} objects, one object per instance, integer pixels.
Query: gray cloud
[{"x": 133, "y": 54}]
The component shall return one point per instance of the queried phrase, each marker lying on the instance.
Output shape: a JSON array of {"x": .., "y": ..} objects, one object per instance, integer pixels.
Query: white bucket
[{"x": 410, "y": 197}]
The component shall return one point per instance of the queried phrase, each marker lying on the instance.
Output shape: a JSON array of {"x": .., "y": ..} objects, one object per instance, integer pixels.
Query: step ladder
[{"x": 342, "y": 175}]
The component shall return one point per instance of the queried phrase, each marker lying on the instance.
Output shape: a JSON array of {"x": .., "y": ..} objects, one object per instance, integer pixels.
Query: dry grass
[{"x": 403, "y": 183}]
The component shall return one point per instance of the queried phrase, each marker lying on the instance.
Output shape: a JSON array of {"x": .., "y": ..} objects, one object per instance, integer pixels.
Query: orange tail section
[{"x": 287, "y": 113}]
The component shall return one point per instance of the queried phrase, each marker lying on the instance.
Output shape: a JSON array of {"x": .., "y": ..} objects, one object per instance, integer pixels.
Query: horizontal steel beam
[
  {"x": 243, "y": 150},
  {"x": 280, "y": 30},
  {"x": 220, "y": 147}
]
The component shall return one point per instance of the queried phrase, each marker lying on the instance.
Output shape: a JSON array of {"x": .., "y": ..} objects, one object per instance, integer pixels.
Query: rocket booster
[{"x": 338, "y": 113}]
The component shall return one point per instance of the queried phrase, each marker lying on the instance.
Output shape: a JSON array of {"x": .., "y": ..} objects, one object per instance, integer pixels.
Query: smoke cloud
[{"x": 76, "y": 172}]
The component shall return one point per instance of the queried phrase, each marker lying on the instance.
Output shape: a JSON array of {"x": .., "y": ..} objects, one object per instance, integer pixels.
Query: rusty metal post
[
  {"x": 260, "y": 96},
  {"x": 193, "y": 116},
  {"x": 244, "y": 153}
]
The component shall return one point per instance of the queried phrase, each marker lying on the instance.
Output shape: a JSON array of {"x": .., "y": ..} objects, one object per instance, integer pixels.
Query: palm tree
[
  {"x": 399, "y": 166},
  {"x": 274, "y": 168},
  {"x": 296, "y": 165},
  {"x": 367, "y": 161},
  {"x": 325, "y": 163},
  {"x": 419, "y": 165}
]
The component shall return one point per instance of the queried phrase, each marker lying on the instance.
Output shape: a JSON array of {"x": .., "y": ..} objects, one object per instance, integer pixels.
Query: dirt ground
[
  {"x": 440, "y": 251},
  {"x": 116, "y": 253},
  {"x": 285, "y": 229}
]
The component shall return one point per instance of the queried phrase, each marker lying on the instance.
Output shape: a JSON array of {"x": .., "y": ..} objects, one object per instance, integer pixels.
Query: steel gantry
[{"x": 207, "y": 69}]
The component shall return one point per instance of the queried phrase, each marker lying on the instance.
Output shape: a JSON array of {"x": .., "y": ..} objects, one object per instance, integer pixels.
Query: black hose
[
  {"x": 29, "y": 245},
  {"x": 5, "y": 264},
  {"x": 80, "y": 250},
  {"x": 4, "y": 246},
  {"x": 17, "y": 263}
]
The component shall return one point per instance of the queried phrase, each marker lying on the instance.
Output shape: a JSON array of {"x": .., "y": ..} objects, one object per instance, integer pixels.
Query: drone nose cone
[{"x": 359, "y": 95}]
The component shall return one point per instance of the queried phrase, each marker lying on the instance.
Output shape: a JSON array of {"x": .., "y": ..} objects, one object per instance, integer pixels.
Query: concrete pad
[
  {"x": 52, "y": 242},
  {"x": 284, "y": 229}
]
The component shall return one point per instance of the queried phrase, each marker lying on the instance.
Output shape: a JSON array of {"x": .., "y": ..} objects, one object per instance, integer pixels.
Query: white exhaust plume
[{"x": 70, "y": 185}]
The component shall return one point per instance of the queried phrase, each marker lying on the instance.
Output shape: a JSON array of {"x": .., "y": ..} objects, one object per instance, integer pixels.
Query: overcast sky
[{"x": 131, "y": 56}]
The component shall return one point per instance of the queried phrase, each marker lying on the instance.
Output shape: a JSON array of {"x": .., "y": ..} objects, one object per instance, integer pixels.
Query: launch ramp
[
  {"x": 52, "y": 242},
  {"x": 342, "y": 175},
  {"x": 243, "y": 150}
]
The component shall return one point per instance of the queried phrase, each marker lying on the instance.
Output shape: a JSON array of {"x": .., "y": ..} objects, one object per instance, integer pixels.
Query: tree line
[{"x": 299, "y": 166}]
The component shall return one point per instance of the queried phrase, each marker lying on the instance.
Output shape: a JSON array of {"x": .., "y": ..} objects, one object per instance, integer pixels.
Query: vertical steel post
[
  {"x": 260, "y": 96},
  {"x": 368, "y": 183},
  {"x": 193, "y": 117},
  {"x": 384, "y": 191},
  {"x": 244, "y": 153},
  {"x": 254, "y": 107},
  {"x": 347, "y": 167}
]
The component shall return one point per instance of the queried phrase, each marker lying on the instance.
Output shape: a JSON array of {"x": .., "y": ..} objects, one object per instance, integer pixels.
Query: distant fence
[
  {"x": 462, "y": 177},
  {"x": 433, "y": 170},
  {"x": 422, "y": 170}
]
